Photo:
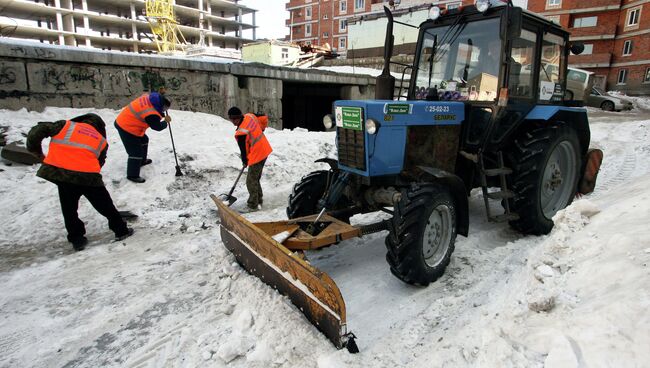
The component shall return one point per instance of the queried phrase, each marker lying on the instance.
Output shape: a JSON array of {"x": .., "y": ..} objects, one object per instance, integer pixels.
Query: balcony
[{"x": 601, "y": 60}]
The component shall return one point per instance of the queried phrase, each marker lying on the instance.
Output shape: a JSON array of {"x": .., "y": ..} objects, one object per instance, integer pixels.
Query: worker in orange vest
[
  {"x": 144, "y": 112},
  {"x": 254, "y": 148},
  {"x": 77, "y": 151}
]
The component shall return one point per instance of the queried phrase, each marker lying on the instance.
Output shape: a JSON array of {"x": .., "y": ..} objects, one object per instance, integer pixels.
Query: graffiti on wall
[{"x": 7, "y": 75}]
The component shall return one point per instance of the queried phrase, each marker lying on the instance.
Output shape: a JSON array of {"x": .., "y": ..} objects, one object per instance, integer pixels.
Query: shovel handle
[{"x": 236, "y": 181}]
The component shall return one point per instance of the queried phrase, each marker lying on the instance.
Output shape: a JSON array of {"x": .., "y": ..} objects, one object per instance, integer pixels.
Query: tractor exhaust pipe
[{"x": 385, "y": 86}]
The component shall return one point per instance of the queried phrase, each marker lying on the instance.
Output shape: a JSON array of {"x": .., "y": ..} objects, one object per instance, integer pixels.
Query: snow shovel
[
  {"x": 178, "y": 168},
  {"x": 229, "y": 197}
]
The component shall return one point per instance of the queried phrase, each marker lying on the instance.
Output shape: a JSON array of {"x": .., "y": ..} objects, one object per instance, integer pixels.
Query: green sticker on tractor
[
  {"x": 351, "y": 118},
  {"x": 397, "y": 109}
]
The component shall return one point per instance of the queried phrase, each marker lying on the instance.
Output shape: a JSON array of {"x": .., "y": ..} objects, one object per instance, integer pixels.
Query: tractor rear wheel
[
  {"x": 546, "y": 166},
  {"x": 422, "y": 234},
  {"x": 303, "y": 200}
]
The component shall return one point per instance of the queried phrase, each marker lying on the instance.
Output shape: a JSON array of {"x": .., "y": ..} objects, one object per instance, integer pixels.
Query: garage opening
[{"x": 305, "y": 104}]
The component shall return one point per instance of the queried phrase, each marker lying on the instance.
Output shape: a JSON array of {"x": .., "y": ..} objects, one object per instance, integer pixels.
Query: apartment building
[
  {"x": 321, "y": 22},
  {"x": 616, "y": 34},
  {"x": 122, "y": 25}
]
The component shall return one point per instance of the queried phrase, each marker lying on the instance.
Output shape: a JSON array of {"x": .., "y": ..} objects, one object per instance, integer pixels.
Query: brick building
[
  {"x": 616, "y": 34},
  {"x": 319, "y": 22}
]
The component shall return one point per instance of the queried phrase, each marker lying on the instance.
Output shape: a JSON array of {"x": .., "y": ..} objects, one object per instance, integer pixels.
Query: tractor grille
[{"x": 352, "y": 149}]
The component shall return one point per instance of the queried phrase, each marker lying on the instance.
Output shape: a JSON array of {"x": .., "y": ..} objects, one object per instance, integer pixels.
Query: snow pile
[{"x": 172, "y": 295}]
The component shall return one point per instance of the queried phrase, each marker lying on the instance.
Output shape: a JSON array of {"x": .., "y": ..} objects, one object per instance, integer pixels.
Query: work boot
[
  {"x": 136, "y": 179},
  {"x": 146, "y": 162},
  {"x": 129, "y": 232},
  {"x": 79, "y": 244}
]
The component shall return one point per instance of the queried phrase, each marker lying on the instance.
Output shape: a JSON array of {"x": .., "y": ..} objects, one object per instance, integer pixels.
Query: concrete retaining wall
[{"x": 34, "y": 76}]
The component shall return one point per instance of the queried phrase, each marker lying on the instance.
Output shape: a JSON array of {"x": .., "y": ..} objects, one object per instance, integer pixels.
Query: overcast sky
[{"x": 270, "y": 18}]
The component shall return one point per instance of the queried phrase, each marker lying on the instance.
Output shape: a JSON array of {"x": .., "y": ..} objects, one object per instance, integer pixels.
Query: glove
[{"x": 168, "y": 119}]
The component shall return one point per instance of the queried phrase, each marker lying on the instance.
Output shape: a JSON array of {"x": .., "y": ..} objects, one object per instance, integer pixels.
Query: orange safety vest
[
  {"x": 131, "y": 118},
  {"x": 263, "y": 120},
  {"x": 77, "y": 148},
  {"x": 257, "y": 146}
]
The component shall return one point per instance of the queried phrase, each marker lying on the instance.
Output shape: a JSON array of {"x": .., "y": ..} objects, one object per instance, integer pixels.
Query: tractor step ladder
[{"x": 503, "y": 195}]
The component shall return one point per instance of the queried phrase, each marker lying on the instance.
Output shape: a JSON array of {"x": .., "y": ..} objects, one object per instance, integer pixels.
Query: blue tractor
[{"x": 485, "y": 108}]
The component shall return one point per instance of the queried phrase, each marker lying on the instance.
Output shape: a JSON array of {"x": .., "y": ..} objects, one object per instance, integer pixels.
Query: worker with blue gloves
[{"x": 146, "y": 111}]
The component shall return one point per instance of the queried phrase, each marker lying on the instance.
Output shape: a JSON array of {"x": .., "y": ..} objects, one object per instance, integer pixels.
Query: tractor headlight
[
  {"x": 434, "y": 13},
  {"x": 328, "y": 121},
  {"x": 482, "y": 5},
  {"x": 371, "y": 126}
]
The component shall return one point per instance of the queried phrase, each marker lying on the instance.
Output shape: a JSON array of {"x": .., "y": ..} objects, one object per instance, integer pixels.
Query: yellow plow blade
[{"x": 308, "y": 288}]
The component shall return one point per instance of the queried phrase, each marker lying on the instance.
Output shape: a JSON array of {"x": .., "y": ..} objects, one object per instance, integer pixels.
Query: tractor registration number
[
  {"x": 436, "y": 108},
  {"x": 444, "y": 117}
]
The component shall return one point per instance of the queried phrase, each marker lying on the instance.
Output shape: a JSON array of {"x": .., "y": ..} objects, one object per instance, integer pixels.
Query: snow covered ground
[{"x": 172, "y": 295}]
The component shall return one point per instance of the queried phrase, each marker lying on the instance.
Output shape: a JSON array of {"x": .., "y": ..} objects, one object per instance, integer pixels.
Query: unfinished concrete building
[{"x": 122, "y": 24}]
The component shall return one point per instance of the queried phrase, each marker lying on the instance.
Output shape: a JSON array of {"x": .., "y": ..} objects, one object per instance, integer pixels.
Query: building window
[
  {"x": 553, "y": 18},
  {"x": 308, "y": 12},
  {"x": 325, "y": 34},
  {"x": 307, "y": 29},
  {"x": 342, "y": 43},
  {"x": 589, "y": 49},
  {"x": 585, "y": 22},
  {"x": 627, "y": 48},
  {"x": 285, "y": 53},
  {"x": 359, "y": 5},
  {"x": 453, "y": 6},
  {"x": 553, "y": 3},
  {"x": 343, "y": 25},
  {"x": 343, "y": 6},
  {"x": 646, "y": 77},
  {"x": 622, "y": 76},
  {"x": 633, "y": 16}
]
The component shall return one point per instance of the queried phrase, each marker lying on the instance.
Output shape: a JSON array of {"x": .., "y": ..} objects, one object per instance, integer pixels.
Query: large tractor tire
[
  {"x": 422, "y": 234},
  {"x": 546, "y": 167},
  {"x": 303, "y": 200}
]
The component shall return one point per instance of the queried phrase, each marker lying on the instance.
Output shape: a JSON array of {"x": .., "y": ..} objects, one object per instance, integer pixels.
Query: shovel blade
[{"x": 230, "y": 199}]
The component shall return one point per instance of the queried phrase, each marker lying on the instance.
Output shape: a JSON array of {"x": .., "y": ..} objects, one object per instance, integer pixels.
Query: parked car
[
  {"x": 607, "y": 102},
  {"x": 578, "y": 84}
]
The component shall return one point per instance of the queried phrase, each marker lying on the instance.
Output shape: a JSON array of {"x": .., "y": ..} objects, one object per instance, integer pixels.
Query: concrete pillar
[
  {"x": 68, "y": 23},
  {"x": 59, "y": 21},
  {"x": 201, "y": 20},
  {"x": 239, "y": 15},
  {"x": 84, "y": 6},
  {"x": 209, "y": 10},
  {"x": 254, "y": 30},
  {"x": 134, "y": 29}
]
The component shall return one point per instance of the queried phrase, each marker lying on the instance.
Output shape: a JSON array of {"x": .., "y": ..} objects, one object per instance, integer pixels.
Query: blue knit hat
[{"x": 157, "y": 101}]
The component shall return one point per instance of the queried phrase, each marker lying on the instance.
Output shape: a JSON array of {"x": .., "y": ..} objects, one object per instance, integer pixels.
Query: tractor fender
[
  {"x": 574, "y": 117},
  {"x": 458, "y": 192},
  {"x": 334, "y": 164}
]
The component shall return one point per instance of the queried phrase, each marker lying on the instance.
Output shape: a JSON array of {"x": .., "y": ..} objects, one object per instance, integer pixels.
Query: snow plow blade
[{"x": 308, "y": 288}]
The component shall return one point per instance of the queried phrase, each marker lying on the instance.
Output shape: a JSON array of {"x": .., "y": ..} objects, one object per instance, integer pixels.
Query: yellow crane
[{"x": 168, "y": 37}]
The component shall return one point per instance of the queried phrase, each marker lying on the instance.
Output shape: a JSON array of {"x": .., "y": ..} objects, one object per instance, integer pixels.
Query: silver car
[{"x": 607, "y": 102}]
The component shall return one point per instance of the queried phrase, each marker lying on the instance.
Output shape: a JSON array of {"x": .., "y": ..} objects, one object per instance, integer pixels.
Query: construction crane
[{"x": 168, "y": 37}]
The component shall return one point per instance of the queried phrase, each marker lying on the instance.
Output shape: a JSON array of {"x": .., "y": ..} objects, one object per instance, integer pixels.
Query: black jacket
[{"x": 56, "y": 174}]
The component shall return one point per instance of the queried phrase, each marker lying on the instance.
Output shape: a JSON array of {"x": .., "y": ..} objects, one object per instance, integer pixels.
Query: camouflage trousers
[{"x": 253, "y": 184}]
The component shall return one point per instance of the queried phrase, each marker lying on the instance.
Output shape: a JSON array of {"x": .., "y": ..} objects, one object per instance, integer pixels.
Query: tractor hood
[{"x": 382, "y": 153}]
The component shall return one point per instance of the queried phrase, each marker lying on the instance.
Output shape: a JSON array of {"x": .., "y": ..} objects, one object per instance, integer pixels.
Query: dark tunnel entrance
[{"x": 305, "y": 104}]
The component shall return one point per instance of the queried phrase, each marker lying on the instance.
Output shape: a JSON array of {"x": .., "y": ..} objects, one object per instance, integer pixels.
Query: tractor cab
[{"x": 499, "y": 60}]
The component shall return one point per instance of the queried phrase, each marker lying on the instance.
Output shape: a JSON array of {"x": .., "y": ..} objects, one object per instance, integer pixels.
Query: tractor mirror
[
  {"x": 577, "y": 48},
  {"x": 514, "y": 23}
]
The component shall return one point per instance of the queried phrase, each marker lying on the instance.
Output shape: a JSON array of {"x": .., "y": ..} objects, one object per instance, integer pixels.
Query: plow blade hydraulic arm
[{"x": 311, "y": 290}]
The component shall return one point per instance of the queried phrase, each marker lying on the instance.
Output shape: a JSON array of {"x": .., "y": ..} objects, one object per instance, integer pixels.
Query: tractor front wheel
[
  {"x": 303, "y": 200},
  {"x": 545, "y": 178},
  {"x": 422, "y": 234}
]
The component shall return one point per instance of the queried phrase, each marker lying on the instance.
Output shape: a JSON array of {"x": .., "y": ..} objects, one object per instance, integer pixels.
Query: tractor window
[
  {"x": 460, "y": 61},
  {"x": 520, "y": 79},
  {"x": 550, "y": 78}
]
